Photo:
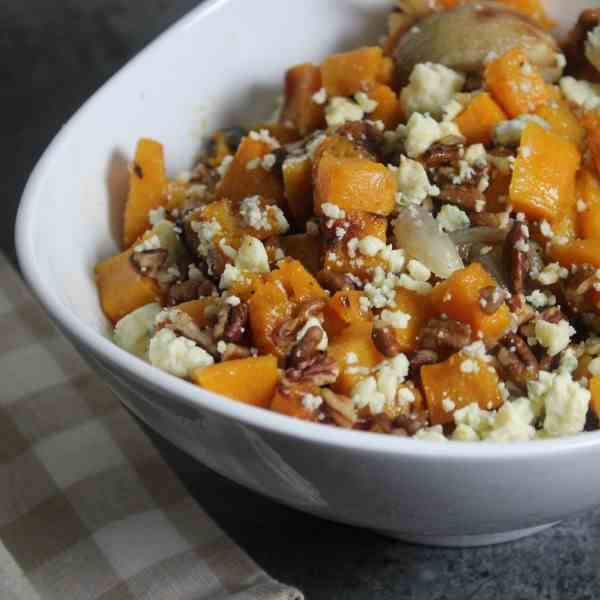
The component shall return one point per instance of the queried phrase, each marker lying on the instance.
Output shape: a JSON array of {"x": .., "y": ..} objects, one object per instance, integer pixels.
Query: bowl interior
[{"x": 220, "y": 66}]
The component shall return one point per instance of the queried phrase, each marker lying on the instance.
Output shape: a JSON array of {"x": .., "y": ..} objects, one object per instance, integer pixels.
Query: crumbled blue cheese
[
  {"x": 430, "y": 88},
  {"x": 581, "y": 93},
  {"x": 152, "y": 242},
  {"x": 231, "y": 275},
  {"x": 367, "y": 104},
  {"x": 206, "y": 231},
  {"x": 592, "y": 47},
  {"x": 555, "y": 337},
  {"x": 332, "y": 211},
  {"x": 451, "y": 218},
  {"x": 252, "y": 255},
  {"x": 133, "y": 331},
  {"x": 311, "y": 402},
  {"x": 418, "y": 270},
  {"x": 264, "y": 136},
  {"x": 508, "y": 133},
  {"x": 413, "y": 184},
  {"x": 156, "y": 215},
  {"x": 370, "y": 245},
  {"x": 176, "y": 354},
  {"x": 431, "y": 434},
  {"x": 396, "y": 319},
  {"x": 409, "y": 283},
  {"x": 541, "y": 299},
  {"x": 422, "y": 131},
  {"x": 469, "y": 366},
  {"x": 552, "y": 273},
  {"x": 224, "y": 166},
  {"x": 564, "y": 403},
  {"x": 512, "y": 423},
  {"x": 341, "y": 110},
  {"x": 320, "y": 97}
]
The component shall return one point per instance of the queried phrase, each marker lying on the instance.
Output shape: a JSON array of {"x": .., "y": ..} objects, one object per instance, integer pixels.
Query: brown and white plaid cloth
[{"x": 88, "y": 508}]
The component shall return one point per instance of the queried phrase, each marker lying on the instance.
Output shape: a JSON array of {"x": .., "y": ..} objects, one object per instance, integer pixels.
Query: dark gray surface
[{"x": 54, "y": 54}]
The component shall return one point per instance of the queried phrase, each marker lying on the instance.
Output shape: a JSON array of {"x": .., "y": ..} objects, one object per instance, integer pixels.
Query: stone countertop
[{"x": 55, "y": 55}]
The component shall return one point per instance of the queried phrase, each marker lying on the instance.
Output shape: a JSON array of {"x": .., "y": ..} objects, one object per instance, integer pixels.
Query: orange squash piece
[
  {"x": 284, "y": 133},
  {"x": 479, "y": 119},
  {"x": 343, "y": 309},
  {"x": 122, "y": 289},
  {"x": 577, "y": 252},
  {"x": 197, "y": 310},
  {"x": 543, "y": 182},
  {"x": 301, "y": 82},
  {"x": 346, "y": 73},
  {"x": 516, "y": 84},
  {"x": 288, "y": 401},
  {"x": 147, "y": 182},
  {"x": 298, "y": 186},
  {"x": 388, "y": 108},
  {"x": 533, "y": 9},
  {"x": 461, "y": 380},
  {"x": 239, "y": 182},
  {"x": 558, "y": 114},
  {"x": 304, "y": 248},
  {"x": 588, "y": 191},
  {"x": 386, "y": 71},
  {"x": 355, "y": 353},
  {"x": 458, "y": 298},
  {"x": 595, "y": 391},
  {"x": 268, "y": 307},
  {"x": 354, "y": 184},
  {"x": 249, "y": 380},
  {"x": 591, "y": 123},
  {"x": 298, "y": 283},
  {"x": 420, "y": 311}
]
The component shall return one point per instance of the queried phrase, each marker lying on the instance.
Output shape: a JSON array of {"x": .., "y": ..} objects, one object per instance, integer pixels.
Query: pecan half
[
  {"x": 385, "y": 340},
  {"x": 491, "y": 298},
  {"x": 232, "y": 323},
  {"x": 552, "y": 315},
  {"x": 321, "y": 370},
  {"x": 412, "y": 422},
  {"x": 334, "y": 282},
  {"x": 517, "y": 361},
  {"x": 445, "y": 334},
  {"x": 149, "y": 262},
  {"x": 284, "y": 337},
  {"x": 184, "y": 325},
  {"x": 234, "y": 351},
  {"x": 442, "y": 155},
  {"x": 419, "y": 359},
  {"x": 341, "y": 408},
  {"x": 465, "y": 196},
  {"x": 516, "y": 259},
  {"x": 189, "y": 290},
  {"x": 305, "y": 351},
  {"x": 576, "y": 289}
]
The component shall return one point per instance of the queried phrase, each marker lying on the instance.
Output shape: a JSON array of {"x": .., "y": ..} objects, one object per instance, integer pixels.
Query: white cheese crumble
[
  {"x": 367, "y": 104},
  {"x": 397, "y": 319},
  {"x": 224, "y": 166},
  {"x": 311, "y": 402},
  {"x": 469, "y": 366},
  {"x": 156, "y": 215},
  {"x": 541, "y": 299},
  {"x": 231, "y": 275},
  {"x": 422, "y": 131},
  {"x": 594, "y": 366},
  {"x": 581, "y": 93},
  {"x": 555, "y": 337},
  {"x": 552, "y": 273},
  {"x": 431, "y": 434},
  {"x": 409, "y": 283},
  {"x": 176, "y": 354},
  {"x": 206, "y": 231},
  {"x": 150, "y": 243},
  {"x": 413, "y": 184},
  {"x": 451, "y": 218},
  {"x": 264, "y": 136},
  {"x": 320, "y": 97},
  {"x": 430, "y": 88},
  {"x": 370, "y": 245},
  {"x": 252, "y": 255},
  {"x": 341, "y": 110},
  {"x": 133, "y": 331},
  {"x": 418, "y": 270},
  {"x": 332, "y": 211}
]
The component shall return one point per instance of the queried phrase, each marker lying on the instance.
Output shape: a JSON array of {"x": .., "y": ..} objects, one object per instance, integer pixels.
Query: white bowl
[{"x": 223, "y": 60}]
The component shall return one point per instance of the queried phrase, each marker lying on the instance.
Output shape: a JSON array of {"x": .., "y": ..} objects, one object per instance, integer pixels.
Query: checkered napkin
[{"x": 88, "y": 509}]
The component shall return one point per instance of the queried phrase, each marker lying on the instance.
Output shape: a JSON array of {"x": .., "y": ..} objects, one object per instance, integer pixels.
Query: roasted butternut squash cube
[
  {"x": 588, "y": 192},
  {"x": 459, "y": 298},
  {"x": 479, "y": 119},
  {"x": 246, "y": 176},
  {"x": 342, "y": 255},
  {"x": 249, "y": 380},
  {"x": 418, "y": 307},
  {"x": 284, "y": 133},
  {"x": 147, "y": 183},
  {"x": 388, "y": 108},
  {"x": 577, "y": 252},
  {"x": 122, "y": 289},
  {"x": 343, "y": 309},
  {"x": 298, "y": 283},
  {"x": 543, "y": 182},
  {"x": 456, "y": 383},
  {"x": 595, "y": 400},
  {"x": 533, "y": 9},
  {"x": 298, "y": 186},
  {"x": 289, "y": 401},
  {"x": 301, "y": 83},
  {"x": 346, "y": 73},
  {"x": 304, "y": 248},
  {"x": 355, "y": 184},
  {"x": 268, "y": 307},
  {"x": 516, "y": 84},
  {"x": 558, "y": 114},
  {"x": 197, "y": 309},
  {"x": 591, "y": 122},
  {"x": 355, "y": 353}
]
